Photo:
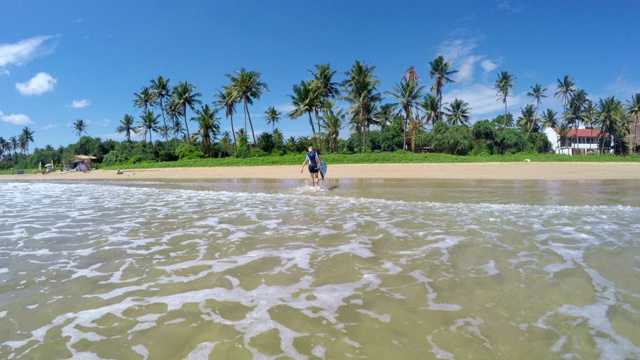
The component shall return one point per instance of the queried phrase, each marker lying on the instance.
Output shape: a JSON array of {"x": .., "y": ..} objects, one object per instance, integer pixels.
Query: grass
[{"x": 399, "y": 157}]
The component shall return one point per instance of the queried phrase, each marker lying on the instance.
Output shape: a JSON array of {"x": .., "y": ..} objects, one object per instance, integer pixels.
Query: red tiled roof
[{"x": 583, "y": 133}]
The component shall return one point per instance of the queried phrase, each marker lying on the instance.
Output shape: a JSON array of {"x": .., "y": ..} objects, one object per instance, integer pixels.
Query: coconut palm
[
  {"x": 537, "y": 93},
  {"x": 323, "y": 79},
  {"x": 161, "y": 91},
  {"x": 247, "y": 86},
  {"x": 440, "y": 71},
  {"x": 305, "y": 99},
  {"x": 184, "y": 96},
  {"x": 361, "y": 90},
  {"x": 612, "y": 119},
  {"x": 411, "y": 74},
  {"x": 80, "y": 127},
  {"x": 633, "y": 110},
  {"x": 149, "y": 125},
  {"x": 332, "y": 121},
  {"x": 272, "y": 116},
  {"x": 126, "y": 127},
  {"x": 566, "y": 87},
  {"x": 14, "y": 144},
  {"x": 144, "y": 98},
  {"x": 174, "y": 112},
  {"x": 549, "y": 119},
  {"x": 503, "y": 85},
  {"x": 209, "y": 128},
  {"x": 407, "y": 94},
  {"x": 227, "y": 100},
  {"x": 528, "y": 119},
  {"x": 575, "y": 108},
  {"x": 457, "y": 113},
  {"x": 384, "y": 114},
  {"x": 27, "y": 137},
  {"x": 589, "y": 115},
  {"x": 430, "y": 104}
]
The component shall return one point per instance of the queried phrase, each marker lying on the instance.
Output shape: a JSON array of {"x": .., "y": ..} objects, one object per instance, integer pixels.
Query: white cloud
[
  {"x": 483, "y": 101},
  {"x": 457, "y": 49},
  {"x": 25, "y": 50},
  {"x": 49, "y": 126},
  {"x": 79, "y": 104},
  {"x": 514, "y": 7},
  {"x": 15, "y": 119},
  {"x": 4, "y": 72},
  {"x": 38, "y": 85},
  {"x": 489, "y": 65},
  {"x": 465, "y": 68},
  {"x": 103, "y": 122}
]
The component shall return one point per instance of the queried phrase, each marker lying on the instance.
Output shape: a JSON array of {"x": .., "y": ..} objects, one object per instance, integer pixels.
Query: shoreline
[{"x": 444, "y": 171}]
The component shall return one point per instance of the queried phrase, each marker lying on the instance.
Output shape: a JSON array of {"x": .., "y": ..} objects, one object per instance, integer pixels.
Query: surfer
[{"x": 313, "y": 158}]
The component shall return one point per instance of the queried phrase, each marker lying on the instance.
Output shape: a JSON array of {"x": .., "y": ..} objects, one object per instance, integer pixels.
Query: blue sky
[{"x": 82, "y": 59}]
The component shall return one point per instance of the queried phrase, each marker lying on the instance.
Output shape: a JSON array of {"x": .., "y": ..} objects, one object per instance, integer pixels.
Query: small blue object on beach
[{"x": 20, "y": 172}]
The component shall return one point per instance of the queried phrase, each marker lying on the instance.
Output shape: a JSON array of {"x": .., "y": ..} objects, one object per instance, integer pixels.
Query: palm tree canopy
[
  {"x": 503, "y": 85},
  {"x": 566, "y": 87},
  {"x": 458, "y": 113},
  {"x": 80, "y": 127},
  {"x": 440, "y": 71},
  {"x": 144, "y": 98}
]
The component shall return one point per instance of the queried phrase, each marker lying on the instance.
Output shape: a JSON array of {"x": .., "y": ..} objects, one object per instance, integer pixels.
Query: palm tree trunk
[
  {"x": 313, "y": 130},
  {"x": 185, "y": 123},
  {"x": 246, "y": 111}
]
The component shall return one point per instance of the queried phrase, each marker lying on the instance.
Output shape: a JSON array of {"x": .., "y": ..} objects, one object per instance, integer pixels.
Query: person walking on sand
[{"x": 313, "y": 158}]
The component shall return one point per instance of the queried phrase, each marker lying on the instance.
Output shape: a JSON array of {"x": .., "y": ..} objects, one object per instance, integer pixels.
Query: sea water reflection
[{"x": 368, "y": 269}]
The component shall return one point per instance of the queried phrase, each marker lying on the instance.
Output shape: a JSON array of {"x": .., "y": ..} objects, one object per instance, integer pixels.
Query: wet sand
[{"x": 475, "y": 171}]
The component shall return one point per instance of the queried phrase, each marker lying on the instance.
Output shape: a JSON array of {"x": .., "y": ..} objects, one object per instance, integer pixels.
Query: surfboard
[{"x": 323, "y": 169}]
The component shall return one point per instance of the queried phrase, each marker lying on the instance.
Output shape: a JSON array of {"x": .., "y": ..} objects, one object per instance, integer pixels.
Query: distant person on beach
[{"x": 313, "y": 158}]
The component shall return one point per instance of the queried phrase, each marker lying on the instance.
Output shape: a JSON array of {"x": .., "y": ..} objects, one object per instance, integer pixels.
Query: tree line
[{"x": 415, "y": 120}]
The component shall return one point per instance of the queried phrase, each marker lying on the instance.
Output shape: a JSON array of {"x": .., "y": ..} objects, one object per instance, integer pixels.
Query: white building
[{"x": 576, "y": 141}]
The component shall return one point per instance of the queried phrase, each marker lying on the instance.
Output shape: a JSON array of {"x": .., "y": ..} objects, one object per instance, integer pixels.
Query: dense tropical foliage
[{"x": 176, "y": 122}]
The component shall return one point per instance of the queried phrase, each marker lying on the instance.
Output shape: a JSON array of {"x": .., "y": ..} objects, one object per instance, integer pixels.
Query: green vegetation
[{"x": 417, "y": 126}]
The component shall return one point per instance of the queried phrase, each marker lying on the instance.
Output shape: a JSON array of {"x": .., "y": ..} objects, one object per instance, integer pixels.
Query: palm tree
[
  {"x": 332, "y": 122},
  {"x": 184, "y": 96},
  {"x": 411, "y": 74},
  {"x": 458, "y": 113},
  {"x": 144, "y": 98},
  {"x": 528, "y": 119},
  {"x": 126, "y": 127},
  {"x": 430, "y": 105},
  {"x": 537, "y": 93},
  {"x": 566, "y": 87},
  {"x": 174, "y": 112},
  {"x": 440, "y": 71},
  {"x": 633, "y": 110},
  {"x": 209, "y": 128},
  {"x": 272, "y": 115},
  {"x": 576, "y": 106},
  {"x": 503, "y": 84},
  {"x": 589, "y": 116},
  {"x": 406, "y": 93},
  {"x": 162, "y": 90},
  {"x": 27, "y": 136},
  {"x": 247, "y": 86},
  {"x": 305, "y": 99},
  {"x": 362, "y": 93},
  {"x": 150, "y": 124},
  {"x": 384, "y": 114},
  {"x": 80, "y": 127},
  {"x": 611, "y": 118},
  {"x": 227, "y": 100},
  {"x": 323, "y": 79},
  {"x": 14, "y": 144}
]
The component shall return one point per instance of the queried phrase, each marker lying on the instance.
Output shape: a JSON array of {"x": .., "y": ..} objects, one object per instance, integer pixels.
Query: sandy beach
[{"x": 481, "y": 171}]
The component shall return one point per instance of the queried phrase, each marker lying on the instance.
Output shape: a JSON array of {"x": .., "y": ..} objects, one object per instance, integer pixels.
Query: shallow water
[{"x": 385, "y": 269}]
